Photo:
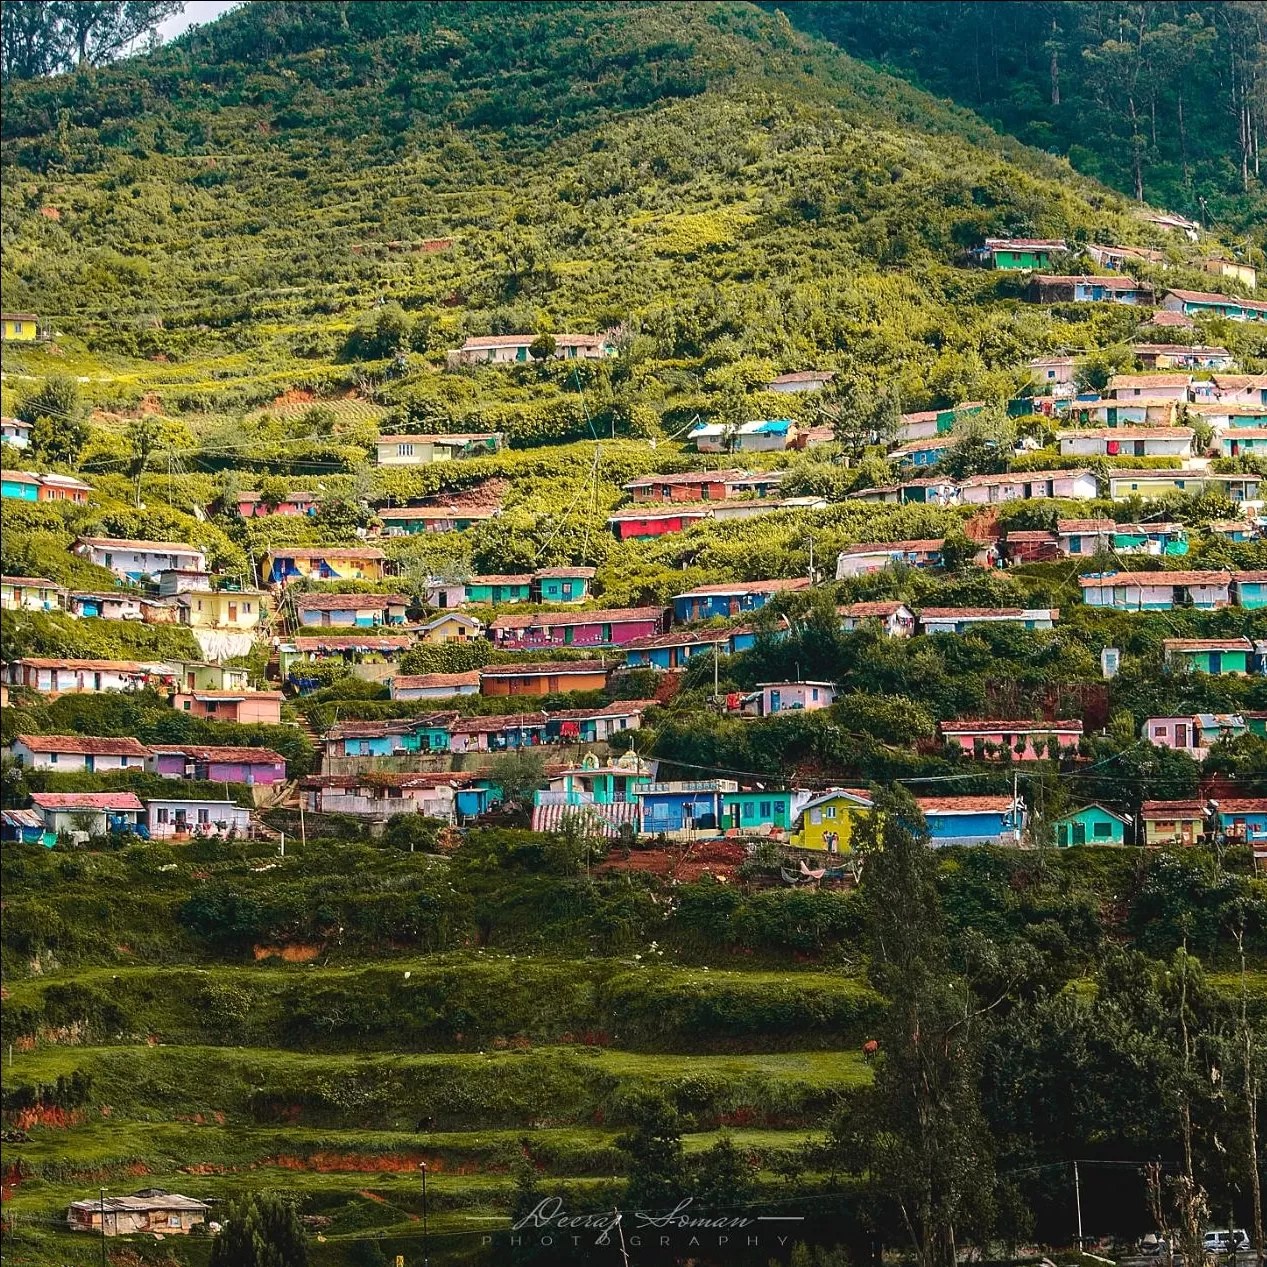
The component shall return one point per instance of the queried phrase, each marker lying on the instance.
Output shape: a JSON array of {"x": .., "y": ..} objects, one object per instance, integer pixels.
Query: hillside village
[{"x": 575, "y": 582}]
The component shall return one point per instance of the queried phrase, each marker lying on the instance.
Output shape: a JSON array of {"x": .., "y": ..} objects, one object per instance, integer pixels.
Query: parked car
[{"x": 1222, "y": 1241}]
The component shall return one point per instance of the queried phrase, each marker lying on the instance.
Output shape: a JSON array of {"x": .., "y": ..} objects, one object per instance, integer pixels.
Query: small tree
[
  {"x": 862, "y": 414},
  {"x": 56, "y": 414},
  {"x": 657, "y": 1171},
  {"x": 260, "y": 1230},
  {"x": 519, "y": 774},
  {"x": 543, "y": 347}
]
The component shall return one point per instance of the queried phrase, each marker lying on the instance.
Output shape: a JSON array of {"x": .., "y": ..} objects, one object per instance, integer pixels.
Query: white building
[
  {"x": 423, "y": 450},
  {"x": 800, "y": 381},
  {"x": 958, "y": 619},
  {"x": 434, "y": 685},
  {"x": 140, "y": 560},
  {"x": 511, "y": 349},
  {"x": 983, "y": 489},
  {"x": 771, "y": 434},
  {"x": 1138, "y": 442},
  {"x": 15, "y": 432},
  {"x": 93, "y": 812},
  {"x": 168, "y": 817},
  {"x": 78, "y": 752}
]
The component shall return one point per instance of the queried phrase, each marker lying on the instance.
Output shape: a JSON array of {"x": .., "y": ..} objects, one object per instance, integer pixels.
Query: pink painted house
[
  {"x": 1027, "y": 740},
  {"x": 651, "y": 522},
  {"x": 253, "y": 505},
  {"x": 600, "y": 628},
  {"x": 780, "y": 697},
  {"x": 263, "y": 707},
  {"x": 217, "y": 764},
  {"x": 897, "y": 619}
]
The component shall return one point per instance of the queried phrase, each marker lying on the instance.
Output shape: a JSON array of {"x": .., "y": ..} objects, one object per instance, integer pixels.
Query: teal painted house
[
  {"x": 20, "y": 486},
  {"x": 1020, "y": 253},
  {"x": 1251, "y": 589},
  {"x": 499, "y": 589},
  {"x": 1091, "y": 825},
  {"x": 562, "y": 585},
  {"x": 758, "y": 811},
  {"x": 1216, "y": 656}
]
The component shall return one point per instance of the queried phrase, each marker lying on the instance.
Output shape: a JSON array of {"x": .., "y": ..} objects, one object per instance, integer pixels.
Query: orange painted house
[{"x": 545, "y": 678}]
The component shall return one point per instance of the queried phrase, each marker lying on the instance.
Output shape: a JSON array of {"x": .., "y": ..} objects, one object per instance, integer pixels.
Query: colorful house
[
  {"x": 562, "y": 584},
  {"x": 179, "y": 818},
  {"x": 423, "y": 450},
  {"x": 1055, "y": 373},
  {"x": 858, "y": 560},
  {"x": 222, "y": 764},
  {"x": 368, "y": 655},
  {"x": 29, "y": 593},
  {"x": 921, "y": 453},
  {"x": 197, "y": 675},
  {"x": 1250, "y": 589},
  {"x": 1031, "y": 545},
  {"x": 781, "y": 697},
  {"x": 595, "y": 725},
  {"x": 670, "y": 652},
  {"x": 972, "y": 820},
  {"x": 503, "y": 733},
  {"x": 516, "y": 588},
  {"x": 97, "y": 813},
  {"x": 828, "y": 821},
  {"x": 238, "y": 611},
  {"x": 1048, "y": 288},
  {"x": 406, "y": 521},
  {"x": 934, "y": 422},
  {"x": 19, "y": 327},
  {"x": 25, "y": 827},
  {"x": 599, "y": 628},
  {"x": 361, "y": 610},
  {"x": 60, "y": 677},
  {"x": 78, "y": 753},
  {"x": 434, "y": 685},
  {"x": 20, "y": 486},
  {"x": 544, "y": 678},
  {"x": 1019, "y": 253},
  {"x": 959, "y": 620},
  {"x": 260, "y": 707},
  {"x": 1139, "y": 442},
  {"x": 377, "y": 795},
  {"x": 762, "y": 812},
  {"x": 117, "y": 604},
  {"x": 703, "y": 486},
  {"x": 297, "y": 503},
  {"x": 763, "y": 436},
  {"x": 1179, "y": 733},
  {"x": 1240, "y": 389},
  {"x": 1156, "y": 591},
  {"x": 1242, "y": 819},
  {"x": 448, "y": 627},
  {"x": 1199, "y": 303},
  {"x": 640, "y": 524},
  {"x": 986, "y": 739},
  {"x": 928, "y": 490},
  {"x": 1243, "y": 442},
  {"x": 599, "y": 795},
  {"x": 444, "y": 594},
  {"x": 1091, "y": 825},
  {"x": 1219, "y": 657},
  {"x": 393, "y": 738},
  {"x": 324, "y": 563},
  {"x": 1089, "y": 536},
  {"x": 897, "y": 620},
  {"x": 1172, "y": 822},
  {"x": 139, "y": 560},
  {"x": 1125, "y": 388},
  {"x": 1235, "y": 530},
  {"x": 705, "y": 602},
  {"x": 683, "y": 810},
  {"x": 1181, "y": 356},
  {"x": 63, "y": 488}
]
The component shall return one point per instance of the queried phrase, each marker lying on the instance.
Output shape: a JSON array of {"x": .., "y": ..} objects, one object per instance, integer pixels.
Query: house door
[
  {"x": 325, "y": 618},
  {"x": 233, "y": 613},
  {"x": 1235, "y": 447},
  {"x": 1139, "y": 448},
  {"x": 90, "y": 763},
  {"x": 1079, "y": 833},
  {"x": 776, "y": 701},
  {"x": 1181, "y": 735},
  {"x": 1216, "y": 662},
  {"x": 734, "y": 815}
]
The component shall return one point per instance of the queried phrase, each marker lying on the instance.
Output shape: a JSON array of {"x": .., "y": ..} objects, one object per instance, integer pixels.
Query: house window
[
  {"x": 161, "y": 814},
  {"x": 829, "y": 812},
  {"x": 52, "y": 758},
  {"x": 1101, "y": 830},
  {"x": 814, "y": 693},
  {"x": 211, "y": 706},
  {"x": 765, "y": 809},
  {"x": 747, "y": 808},
  {"x": 405, "y": 450},
  {"x": 188, "y": 705},
  {"x": 1160, "y": 732},
  {"x": 204, "y": 817},
  {"x": 246, "y": 609}
]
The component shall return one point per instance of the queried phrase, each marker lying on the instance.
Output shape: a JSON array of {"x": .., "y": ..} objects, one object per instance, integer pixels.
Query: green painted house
[
  {"x": 499, "y": 589},
  {"x": 1091, "y": 825},
  {"x": 1219, "y": 657},
  {"x": 757, "y": 811},
  {"x": 1021, "y": 253}
]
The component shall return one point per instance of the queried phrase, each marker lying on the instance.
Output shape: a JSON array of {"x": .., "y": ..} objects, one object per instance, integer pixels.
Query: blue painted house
[
  {"x": 1091, "y": 825},
  {"x": 1244, "y": 819},
  {"x": 734, "y": 599},
  {"x": 685, "y": 809},
  {"x": 972, "y": 820},
  {"x": 398, "y": 737},
  {"x": 921, "y": 453},
  {"x": 670, "y": 652},
  {"x": 477, "y": 797}
]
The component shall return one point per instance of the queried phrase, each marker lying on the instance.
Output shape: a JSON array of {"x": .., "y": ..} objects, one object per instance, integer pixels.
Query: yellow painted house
[
  {"x": 450, "y": 627},
  {"x": 19, "y": 327},
  {"x": 238, "y": 611},
  {"x": 828, "y": 822},
  {"x": 324, "y": 563}
]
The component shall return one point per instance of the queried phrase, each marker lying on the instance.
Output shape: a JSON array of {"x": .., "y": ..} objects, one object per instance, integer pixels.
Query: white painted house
[
  {"x": 78, "y": 752},
  {"x": 1156, "y": 591},
  {"x": 140, "y": 560},
  {"x": 169, "y": 817},
  {"x": 984, "y": 489},
  {"x": 1137, "y": 442}
]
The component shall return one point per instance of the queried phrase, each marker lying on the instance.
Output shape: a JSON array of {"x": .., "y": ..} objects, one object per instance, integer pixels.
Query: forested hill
[
  {"x": 1166, "y": 101},
  {"x": 589, "y": 163}
]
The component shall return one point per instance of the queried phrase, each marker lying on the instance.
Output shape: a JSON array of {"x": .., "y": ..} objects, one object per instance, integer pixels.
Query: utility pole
[
  {"x": 811, "y": 560},
  {"x": 716, "y": 671},
  {"x": 103, "y": 1227},
  {"x": 1077, "y": 1196}
]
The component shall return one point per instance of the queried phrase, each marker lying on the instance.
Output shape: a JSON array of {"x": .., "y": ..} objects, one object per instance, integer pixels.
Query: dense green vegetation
[{"x": 1161, "y": 100}]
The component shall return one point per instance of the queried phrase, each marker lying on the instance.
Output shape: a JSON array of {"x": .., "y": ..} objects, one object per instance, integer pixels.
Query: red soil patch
[
  {"x": 353, "y": 1163},
  {"x": 47, "y": 1115},
  {"x": 719, "y": 858},
  {"x": 50, "y": 213},
  {"x": 296, "y": 396}
]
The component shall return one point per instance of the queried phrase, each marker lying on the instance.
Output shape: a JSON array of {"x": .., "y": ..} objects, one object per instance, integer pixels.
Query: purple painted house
[
  {"x": 217, "y": 765},
  {"x": 609, "y": 628}
]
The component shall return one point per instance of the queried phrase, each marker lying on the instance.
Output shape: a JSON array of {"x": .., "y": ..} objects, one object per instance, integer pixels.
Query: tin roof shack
[
  {"x": 958, "y": 620},
  {"x": 897, "y": 620},
  {"x": 57, "y": 677},
  {"x": 761, "y": 436},
  {"x": 972, "y": 820},
  {"x": 1138, "y": 442},
  {"x": 377, "y": 795},
  {"x": 361, "y": 610},
  {"x": 157, "y": 1212},
  {"x": 671, "y": 651},
  {"x": 434, "y": 685},
  {"x": 78, "y": 752},
  {"x": 703, "y": 486},
  {"x": 1156, "y": 591},
  {"x": 30, "y": 593},
  {"x": 857, "y": 560},
  {"x": 139, "y": 560}
]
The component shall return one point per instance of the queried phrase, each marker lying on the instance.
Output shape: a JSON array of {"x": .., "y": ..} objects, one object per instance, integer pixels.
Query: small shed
[{"x": 1090, "y": 825}]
